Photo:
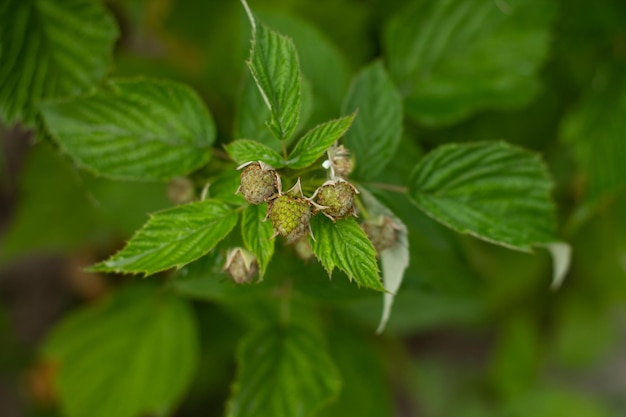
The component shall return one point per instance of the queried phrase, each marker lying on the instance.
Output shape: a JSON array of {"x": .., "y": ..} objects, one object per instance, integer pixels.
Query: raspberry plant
[{"x": 300, "y": 216}]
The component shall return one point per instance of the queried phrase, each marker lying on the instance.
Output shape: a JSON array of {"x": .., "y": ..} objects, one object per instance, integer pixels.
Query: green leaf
[
  {"x": 173, "y": 238},
  {"x": 376, "y": 133},
  {"x": 132, "y": 354},
  {"x": 394, "y": 260},
  {"x": 51, "y": 49},
  {"x": 596, "y": 130},
  {"x": 283, "y": 372},
  {"x": 252, "y": 115},
  {"x": 135, "y": 130},
  {"x": 317, "y": 140},
  {"x": 257, "y": 234},
  {"x": 452, "y": 58},
  {"x": 344, "y": 245},
  {"x": 318, "y": 58},
  {"x": 274, "y": 65},
  {"x": 493, "y": 191},
  {"x": 245, "y": 150}
]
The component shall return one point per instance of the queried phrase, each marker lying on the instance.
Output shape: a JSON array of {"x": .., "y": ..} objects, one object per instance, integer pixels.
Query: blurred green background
[{"x": 475, "y": 330}]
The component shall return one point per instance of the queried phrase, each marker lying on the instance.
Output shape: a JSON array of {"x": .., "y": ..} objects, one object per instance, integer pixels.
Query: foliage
[{"x": 469, "y": 136}]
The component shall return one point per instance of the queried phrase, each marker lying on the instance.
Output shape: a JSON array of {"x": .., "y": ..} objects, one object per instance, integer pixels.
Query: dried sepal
[{"x": 241, "y": 265}]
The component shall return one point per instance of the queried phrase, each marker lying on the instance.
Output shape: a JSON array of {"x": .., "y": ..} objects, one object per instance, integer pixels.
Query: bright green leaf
[
  {"x": 51, "y": 49},
  {"x": 283, "y": 372},
  {"x": 257, "y": 234},
  {"x": 597, "y": 132},
  {"x": 274, "y": 65},
  {"x": 319, "y": 58},
  {"x": 492, "y": 191},
  {"x": 173, "y": 238},
  {"x": 343, "y": 244},
  {"x": 375, "y": 135},
  {"x": 133, "y": 354},
  {"x": 451, "y": 58},
  {"x": 245, "y": 150},
  {"x": 136, "y": 129},
  {"x": 317, "y": 140}
]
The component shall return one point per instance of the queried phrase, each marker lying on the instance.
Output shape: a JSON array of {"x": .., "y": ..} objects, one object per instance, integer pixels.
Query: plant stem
[{"x": 282, "y": 142}]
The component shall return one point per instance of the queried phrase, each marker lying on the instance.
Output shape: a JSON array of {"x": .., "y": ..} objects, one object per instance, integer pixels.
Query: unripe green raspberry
[
  {"x": 241, "y": 265},
  {"x": 381, "y": 231},
  {"x": 337, "y": 197},
  {"x": 259, "y": 182},
  {"x": 290, "y": 216},
  {"x": 341, "y": 161},
  {"x": 303, "y": 248}
]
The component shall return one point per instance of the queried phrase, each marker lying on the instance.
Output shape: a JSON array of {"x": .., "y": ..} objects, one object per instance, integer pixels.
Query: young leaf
[
  {"x": 493, "y": 191},
  {"x": 257, "y": 234},
  {"x": 451, "y": 58},
  {"x": 133, "y": 354},
  {"x": 274, "y": 65},
  {"x": 317, "y": 141},
  {"x": 244, "y": 150},
  {"x": 173, "y": 238},
  {"x": 51, "y": 49},
  {"x": 344, "y": 245},
  {"x": 283, "y": 372},
  {"x": 394, "y": 260},
  {"x": 137, "y": 130},
  {"x": 376, "y": 133}
]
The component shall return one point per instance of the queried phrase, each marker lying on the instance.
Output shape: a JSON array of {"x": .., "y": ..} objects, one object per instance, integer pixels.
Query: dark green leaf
[
  {"x": 51, "y": 49},
  {"x": 317, "y": 140},
  {"x": 133, "y": 354},
  {"x": 274, "y": 66},
  {"x": 597, "y": 132},
  {"x": 283, "y": 372},
  {"x": 173, "y": 238},
  {"x": 376, "y": 132},
  {"x": 245, "y": 150},
  {"x": 492, "y": 191},
  {"x": 344, "y": 245},
  {"x": 257, "y": 234},
  {"x": 137, "y": 129},
  {"x": 452, "y": 58}
]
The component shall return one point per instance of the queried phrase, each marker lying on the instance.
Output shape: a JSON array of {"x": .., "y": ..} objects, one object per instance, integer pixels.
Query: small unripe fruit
[
  {"x": 259, "y": 182},
  {"x": 337, "y": 197},
  {"x": 303, "y": 248},
  {"x": 241, "y": 265},
  {"x": 290, "y": 216},
  {"x": 180, "y": 190},
  {"x": 382, "y": 232}
]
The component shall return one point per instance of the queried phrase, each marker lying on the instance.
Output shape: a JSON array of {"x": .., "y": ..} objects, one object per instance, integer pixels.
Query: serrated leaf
[
  {"x": 257, "y": 234},
  {"x": 134, "y": 130},
  {"x": 317, "y": 140},
  {"x": 173, "y": 238},
  {"x": 245, "y": 150},
  {"x": 318, "y": 57},
  {"x": 596, "y": 130},
  {"x": 133, "y": 354},
  {"x": 252, "y": 115},
  {"x": 375, "y": 135},
  {"x": 394, "y": 260},
  {"x": 274, "y": 65},
  {"x": 344, "y": 245},
  {"x": 451, "y": 58},
  {"x": 493, "y": 191},
  {"x": 283, "y": 372},
  {"x": 51, "y": 49}
]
